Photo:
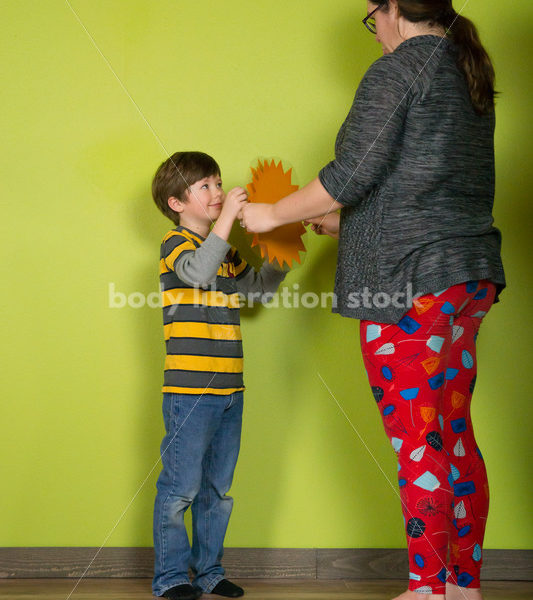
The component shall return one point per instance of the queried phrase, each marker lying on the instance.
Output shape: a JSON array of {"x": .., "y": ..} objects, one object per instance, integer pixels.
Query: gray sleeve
[
  {"x": 371, "y": 133},
  {"x": 199, "y": 267},
  {"x": 255, "y": 284}
]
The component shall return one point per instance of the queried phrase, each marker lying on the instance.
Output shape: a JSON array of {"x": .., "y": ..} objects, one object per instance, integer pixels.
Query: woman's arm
[{"x": 306, "y": 203}]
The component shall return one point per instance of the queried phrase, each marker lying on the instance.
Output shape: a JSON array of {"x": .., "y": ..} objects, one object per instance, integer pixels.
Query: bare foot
[
  {"x": 454, "y": 592},
  {"x": 411, "y": 595}
]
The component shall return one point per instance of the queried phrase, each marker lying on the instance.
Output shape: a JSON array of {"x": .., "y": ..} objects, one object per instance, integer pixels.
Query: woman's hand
[
  {"x": 326, "y": 225},
  {"x": 305, "y": 203},
  {"x": 258, "y": 218}
]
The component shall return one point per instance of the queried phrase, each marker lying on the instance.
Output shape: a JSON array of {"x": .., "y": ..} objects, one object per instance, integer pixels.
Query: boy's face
[{"x": 204, "y": 200}]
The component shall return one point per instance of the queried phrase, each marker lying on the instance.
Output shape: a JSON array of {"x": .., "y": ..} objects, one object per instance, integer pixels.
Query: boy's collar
[{"x": 196, "y": 234}]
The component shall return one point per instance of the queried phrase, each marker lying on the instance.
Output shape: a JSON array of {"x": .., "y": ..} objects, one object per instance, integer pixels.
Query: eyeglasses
[{"x": 370, "y": 22}]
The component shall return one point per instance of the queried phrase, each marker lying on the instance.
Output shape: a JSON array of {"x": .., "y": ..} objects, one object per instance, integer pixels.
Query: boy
[{"x": 201, "y": 279}]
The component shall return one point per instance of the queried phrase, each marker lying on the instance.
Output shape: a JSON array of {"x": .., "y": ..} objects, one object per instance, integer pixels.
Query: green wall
[{"x": 81, "y": 407}]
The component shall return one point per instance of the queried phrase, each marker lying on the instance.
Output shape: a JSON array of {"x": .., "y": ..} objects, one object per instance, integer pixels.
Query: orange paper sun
[{"x": 270, "y": 183}]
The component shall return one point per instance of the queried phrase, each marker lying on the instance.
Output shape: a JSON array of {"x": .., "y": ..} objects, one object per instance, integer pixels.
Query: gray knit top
[{"x": 414, "y": 170}]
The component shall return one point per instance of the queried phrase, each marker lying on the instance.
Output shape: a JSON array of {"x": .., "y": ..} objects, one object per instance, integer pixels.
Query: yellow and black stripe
[{"x": 202, "y": 327}]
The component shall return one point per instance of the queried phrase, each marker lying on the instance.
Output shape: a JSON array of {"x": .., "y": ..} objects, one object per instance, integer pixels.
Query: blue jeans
[{"x": 199, "y": 453}]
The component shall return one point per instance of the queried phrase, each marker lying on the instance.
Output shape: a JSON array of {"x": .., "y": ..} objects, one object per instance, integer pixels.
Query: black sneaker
[
  {"x": 183, "y": 592},
  {"x": 227, "y": 589}
]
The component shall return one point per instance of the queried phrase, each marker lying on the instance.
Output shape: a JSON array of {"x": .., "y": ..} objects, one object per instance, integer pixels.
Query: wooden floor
[{"x": 256, "y": 589}]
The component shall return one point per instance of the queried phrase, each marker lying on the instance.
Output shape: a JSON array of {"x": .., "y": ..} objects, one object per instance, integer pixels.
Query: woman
[{"x": 413, "y": 176}]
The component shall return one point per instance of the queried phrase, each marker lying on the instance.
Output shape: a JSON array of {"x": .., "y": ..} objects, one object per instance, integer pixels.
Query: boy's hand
[
  {"x": 234, "y": 202},
  {"x": 236, "y": 198}
]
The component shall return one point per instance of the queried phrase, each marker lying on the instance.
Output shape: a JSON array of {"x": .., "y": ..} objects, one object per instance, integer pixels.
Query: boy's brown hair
[{"x": 176, "y": 175}]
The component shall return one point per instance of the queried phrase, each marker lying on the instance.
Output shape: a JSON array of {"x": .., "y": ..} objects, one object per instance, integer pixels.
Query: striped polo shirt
[{"x": 201, "y": 326}]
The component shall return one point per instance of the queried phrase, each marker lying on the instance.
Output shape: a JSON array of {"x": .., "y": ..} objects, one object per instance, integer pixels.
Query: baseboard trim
[{"x": 242, "y": 563}]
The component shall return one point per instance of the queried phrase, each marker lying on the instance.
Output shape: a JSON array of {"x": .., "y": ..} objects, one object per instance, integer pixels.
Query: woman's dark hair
[
  {"x": 472, "y": 59},
  {"x": 176, "y": 175}
]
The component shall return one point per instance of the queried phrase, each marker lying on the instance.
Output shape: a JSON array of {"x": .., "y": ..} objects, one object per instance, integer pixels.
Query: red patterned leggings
[{"x": 422, "y": 372}]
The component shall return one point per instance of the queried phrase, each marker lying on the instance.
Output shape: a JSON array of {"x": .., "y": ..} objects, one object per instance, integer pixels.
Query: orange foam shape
[{"x": 271, "y": 183}]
